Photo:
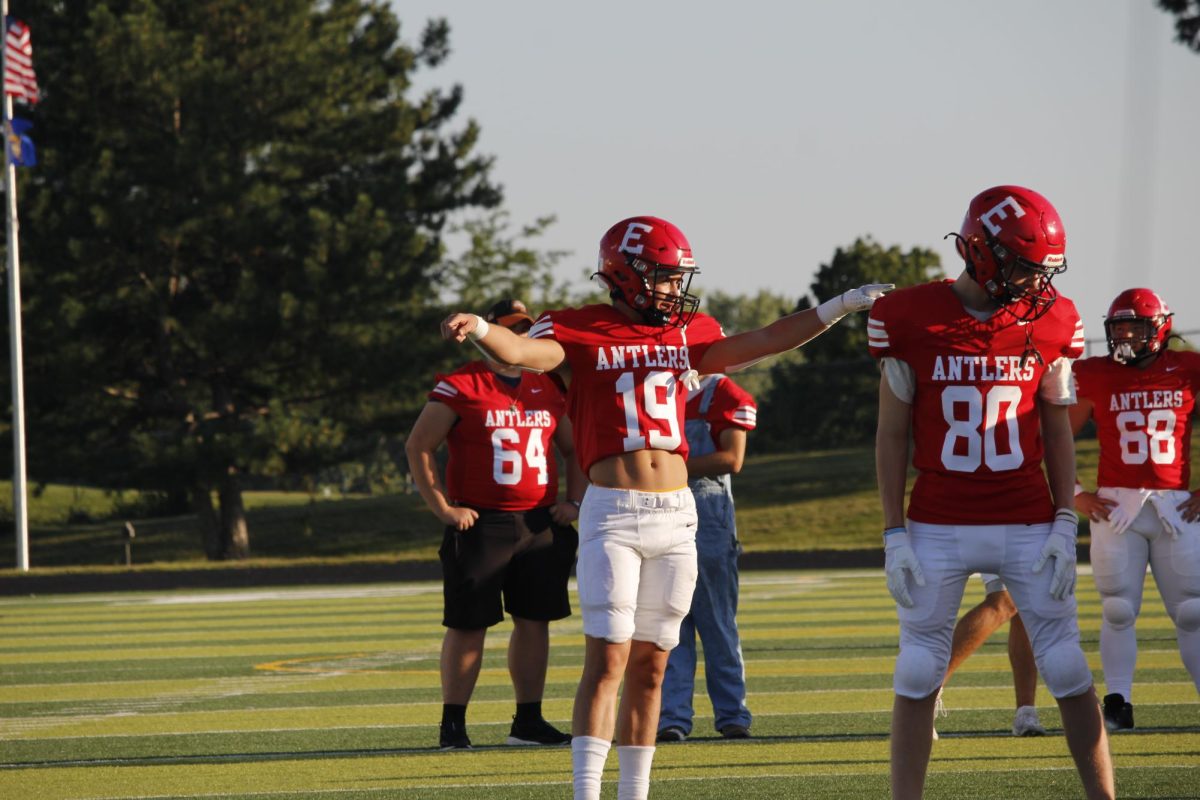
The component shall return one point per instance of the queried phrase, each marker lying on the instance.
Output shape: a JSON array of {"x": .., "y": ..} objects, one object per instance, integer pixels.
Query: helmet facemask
[
  {"x": 1132, "y": 339},
  {"x": 1023, "y": 288},
  {"x": 665, "y": 308},
  {"x": 656, "y": 307}
]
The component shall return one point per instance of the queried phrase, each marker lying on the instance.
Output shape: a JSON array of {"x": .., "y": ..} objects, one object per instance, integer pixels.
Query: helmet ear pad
[{"x": 974, "y": 250}]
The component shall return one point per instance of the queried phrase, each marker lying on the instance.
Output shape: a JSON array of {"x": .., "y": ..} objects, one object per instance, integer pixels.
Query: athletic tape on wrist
[
  {"x": 831, "y": 310},
  {"x": 481, "y": 329}
]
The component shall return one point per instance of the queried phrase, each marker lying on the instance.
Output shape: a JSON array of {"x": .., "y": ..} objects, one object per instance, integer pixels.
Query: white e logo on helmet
[
  {"x": 998, "y": 212},
  {"x": 632, "y": 234}
]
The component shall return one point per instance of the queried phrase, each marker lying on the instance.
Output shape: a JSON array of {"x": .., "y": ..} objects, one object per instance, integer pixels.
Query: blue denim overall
[{"x": 714, "y": 605}]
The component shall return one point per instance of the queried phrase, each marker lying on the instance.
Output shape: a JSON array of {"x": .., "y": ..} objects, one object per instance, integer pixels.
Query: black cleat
[
  {"x": 1118, "y": 715},
  {"x": 453, "y": 736},
  {"x": 537, "y": 732},
  {"x": 671, "y": 734},
  {"x": 735, "y": 732}
]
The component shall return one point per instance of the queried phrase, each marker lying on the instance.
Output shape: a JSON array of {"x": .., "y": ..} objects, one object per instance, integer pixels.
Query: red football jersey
[
  {"x": 500, "y": 448},
  {"x": 624, "y": 393},
  {"x": 975, "y": 424},
  {"x": 1143, "y": 418},
  {"x": 731, "y": 407}
]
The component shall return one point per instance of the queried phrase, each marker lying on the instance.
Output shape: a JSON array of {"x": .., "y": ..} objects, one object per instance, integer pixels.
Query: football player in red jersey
[
  {"x": 978, "y": 369},
  {"x": 1142, "y": 397},
  {"x": 637, "y": 549},
  {"x": 507, "y": 532}
]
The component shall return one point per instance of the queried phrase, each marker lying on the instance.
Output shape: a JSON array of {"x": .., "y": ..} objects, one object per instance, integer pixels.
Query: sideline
[{"x": 14, "y": 583}]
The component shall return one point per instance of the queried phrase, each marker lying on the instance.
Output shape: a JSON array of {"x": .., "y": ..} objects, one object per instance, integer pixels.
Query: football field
[{"x": 331, "y": 693}]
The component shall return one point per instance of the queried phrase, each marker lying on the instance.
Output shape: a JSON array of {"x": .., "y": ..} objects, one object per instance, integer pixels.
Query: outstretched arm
[
  {"x": 503, "y": 345},
  {"x": 787, "y": 333}
]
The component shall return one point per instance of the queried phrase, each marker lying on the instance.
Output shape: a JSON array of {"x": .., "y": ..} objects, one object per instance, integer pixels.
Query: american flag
[{"x": 19, "y": 78}]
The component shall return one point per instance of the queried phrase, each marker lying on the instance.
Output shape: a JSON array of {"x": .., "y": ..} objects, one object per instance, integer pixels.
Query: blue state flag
[{"x": 20, "y": 147}]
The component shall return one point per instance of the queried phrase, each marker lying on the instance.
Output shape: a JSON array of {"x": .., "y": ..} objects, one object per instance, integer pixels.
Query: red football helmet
[
  {"x": 635, "y": 254},
  {"x": 1014, "y": 244},
  {"x": 1150, "y": 331}
]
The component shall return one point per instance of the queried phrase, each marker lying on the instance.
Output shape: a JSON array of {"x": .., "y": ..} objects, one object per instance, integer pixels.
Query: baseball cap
[{"x": 509, "y": 313}]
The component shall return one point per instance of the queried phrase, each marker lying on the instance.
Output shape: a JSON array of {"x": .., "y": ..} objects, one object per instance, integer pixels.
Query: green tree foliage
[
  {"x": 829, "y": 400},
  {"x": 740, "y": 312},
  {"x": 231, "y": 239},
  {"x": 497, "y": 263},
  {"x": 1187, "y": 20}
]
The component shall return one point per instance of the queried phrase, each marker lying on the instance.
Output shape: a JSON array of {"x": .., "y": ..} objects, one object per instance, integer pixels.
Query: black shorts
[{"x": 525, "y": 556}]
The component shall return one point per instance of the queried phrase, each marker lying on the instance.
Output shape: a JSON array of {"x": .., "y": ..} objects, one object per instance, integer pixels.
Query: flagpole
[{"x": 20, "y": 513}]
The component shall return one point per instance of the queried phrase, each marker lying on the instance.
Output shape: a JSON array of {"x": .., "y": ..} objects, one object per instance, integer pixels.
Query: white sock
[
  {"x": 1118, "y": 656},
  {"x": 588, "y": 754},
  {"x": 634, "y": 782},
  {"x": 1189, "y": 650}
]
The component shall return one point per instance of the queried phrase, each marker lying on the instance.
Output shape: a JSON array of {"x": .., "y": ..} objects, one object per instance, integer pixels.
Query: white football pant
[
  {"x": 1119, "y": 564},
  {"x": 637, "y": 564},
  {"x": 948, "y": 555}
]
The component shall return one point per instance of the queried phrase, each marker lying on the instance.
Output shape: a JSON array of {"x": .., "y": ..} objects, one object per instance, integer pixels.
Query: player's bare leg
[
  {"x": 595, "y": 699},
  {"x": 1024, "y": 668},
  {"x": 912, "y": 739},
  {"x": 528, "y": 654},
  {"x": 462, "y": 656},
  {"x": 1088, "y": 742},
  {"x": 593, "y": 718},
  {"x": 641, "y": 699},
  {"x": 976, "y": 626}
]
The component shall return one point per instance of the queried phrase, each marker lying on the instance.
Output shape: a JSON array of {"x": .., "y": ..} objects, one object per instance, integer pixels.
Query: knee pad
[
  {"x": 1065, "y": 670},
  {"x": 611, "y": 623},
  {"x": 659, "y": 626},
  {"x": 1187, "y": 615},
  {"x": 1118, "y": 612},
  {"x": 918, "y": 673}
]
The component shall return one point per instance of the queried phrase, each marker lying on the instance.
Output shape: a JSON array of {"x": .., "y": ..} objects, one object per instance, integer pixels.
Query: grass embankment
[{"x": 786, "y": 501}]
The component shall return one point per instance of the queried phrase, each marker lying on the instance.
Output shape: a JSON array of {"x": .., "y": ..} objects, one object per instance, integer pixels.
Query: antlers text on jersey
[
  {"x": 527, "y": 418},
  {"x": 626, "y": 356},
  {"x": 982, "y": 368},
  {"x": 1139, "y": 400}
]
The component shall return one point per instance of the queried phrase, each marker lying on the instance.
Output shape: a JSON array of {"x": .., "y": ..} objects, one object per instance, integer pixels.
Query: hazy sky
[{"x": 772, "y": 133}]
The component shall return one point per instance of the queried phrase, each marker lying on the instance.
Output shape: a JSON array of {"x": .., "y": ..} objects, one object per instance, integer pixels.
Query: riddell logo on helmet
[
  {"x": 999, "y": 213},
  {"x": 1054, "y": 260}
]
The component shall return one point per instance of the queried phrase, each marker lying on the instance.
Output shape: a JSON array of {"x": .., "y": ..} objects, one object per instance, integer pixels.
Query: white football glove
[
  {"x": 852, "y": 300},
  {"x": 898, "y": 560},
  {"x": 1120, "y": 517},
  {"x": 1060, "y": 545},
  {"x": 1168, "y": 514}
]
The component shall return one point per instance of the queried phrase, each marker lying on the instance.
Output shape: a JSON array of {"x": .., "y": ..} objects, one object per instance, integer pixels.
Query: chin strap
[{"x": 1031, "y": 350}]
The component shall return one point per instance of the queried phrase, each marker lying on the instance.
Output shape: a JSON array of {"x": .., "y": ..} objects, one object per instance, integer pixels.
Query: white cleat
[{"x": 1026, "y": 722}]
